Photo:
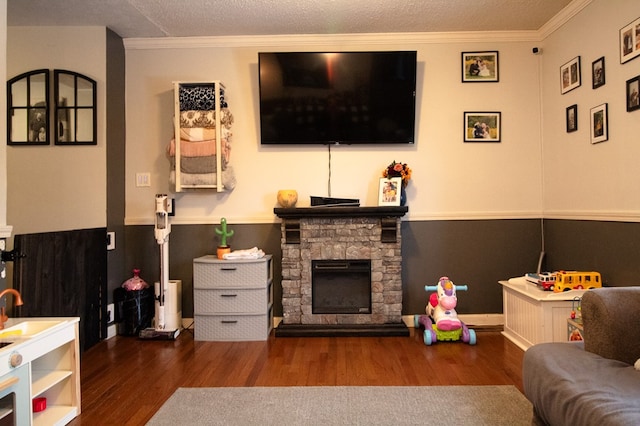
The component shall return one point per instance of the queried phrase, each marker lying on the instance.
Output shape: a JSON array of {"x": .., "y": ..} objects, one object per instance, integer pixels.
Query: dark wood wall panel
[{"x": 62, "y": 274}]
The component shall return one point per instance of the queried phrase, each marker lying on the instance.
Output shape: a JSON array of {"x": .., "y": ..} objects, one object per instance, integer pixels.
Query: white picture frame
[{"x": 389, "y": 191}]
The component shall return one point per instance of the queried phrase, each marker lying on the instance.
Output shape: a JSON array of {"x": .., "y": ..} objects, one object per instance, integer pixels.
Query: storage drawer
[
  {"x": 234, "y": 301},
  {"x": 231, "y": 327},
  {"x": 209, "y": 272}
]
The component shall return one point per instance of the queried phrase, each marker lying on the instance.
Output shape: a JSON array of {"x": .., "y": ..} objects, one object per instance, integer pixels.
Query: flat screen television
[{"x": 337, "y": 97}]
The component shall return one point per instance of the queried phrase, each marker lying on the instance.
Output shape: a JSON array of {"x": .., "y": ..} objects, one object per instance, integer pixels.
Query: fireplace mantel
[
  {"x": 388, "y": 216},
  {"x": 300, "y": 212}
]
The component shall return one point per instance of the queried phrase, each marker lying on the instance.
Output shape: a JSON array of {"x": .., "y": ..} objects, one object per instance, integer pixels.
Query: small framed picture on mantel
[{"x": 389, "y": 191}]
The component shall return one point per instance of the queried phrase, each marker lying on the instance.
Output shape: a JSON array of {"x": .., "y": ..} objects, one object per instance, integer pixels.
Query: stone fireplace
[{"x": 342, "y": 236}]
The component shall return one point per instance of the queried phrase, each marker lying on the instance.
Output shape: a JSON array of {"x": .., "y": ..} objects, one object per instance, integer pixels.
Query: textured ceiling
[{"x": 184, "y": 18}]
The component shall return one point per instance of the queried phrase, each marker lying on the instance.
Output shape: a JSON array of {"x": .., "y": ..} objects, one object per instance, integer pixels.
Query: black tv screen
[{"x": 337, "y": 97}]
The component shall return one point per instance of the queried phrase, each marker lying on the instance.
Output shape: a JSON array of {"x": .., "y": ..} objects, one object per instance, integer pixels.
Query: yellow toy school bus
[{"x": 576, "y": 280}]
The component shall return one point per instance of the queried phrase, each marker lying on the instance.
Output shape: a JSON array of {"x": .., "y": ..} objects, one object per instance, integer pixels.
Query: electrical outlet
[
  {"x": 111, "y": 313},
  {"x": 111, "y": 240}
]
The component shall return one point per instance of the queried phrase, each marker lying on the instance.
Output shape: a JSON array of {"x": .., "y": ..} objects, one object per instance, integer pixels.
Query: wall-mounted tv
[{"x": 337, "y": 97}]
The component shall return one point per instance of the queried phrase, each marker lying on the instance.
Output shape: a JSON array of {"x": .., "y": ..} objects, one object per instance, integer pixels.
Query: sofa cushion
[
  {"x": 570, "y": 386},
  {"x": 611, "y": 318}
]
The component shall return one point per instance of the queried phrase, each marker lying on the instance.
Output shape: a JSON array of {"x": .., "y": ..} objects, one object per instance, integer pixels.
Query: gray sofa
[{"x": 592, "y": 382}]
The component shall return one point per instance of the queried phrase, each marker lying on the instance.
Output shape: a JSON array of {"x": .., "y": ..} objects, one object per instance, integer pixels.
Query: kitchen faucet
[{"x": 17, "y": 302}]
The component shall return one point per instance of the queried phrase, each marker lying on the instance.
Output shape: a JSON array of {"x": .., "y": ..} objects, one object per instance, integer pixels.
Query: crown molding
[
  {"x": 308, "y": 40},
  {"x": 562, "y": 17}
]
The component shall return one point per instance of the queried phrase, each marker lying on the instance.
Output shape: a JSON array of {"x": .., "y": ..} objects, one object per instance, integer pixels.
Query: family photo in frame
[
  {"x": 599, "y": 123},
  {"x": 482, "y": 127},
  {"x": 480, "y": 67},
  {"x": 633, "y": 90},
  {"x": 630, "y": 41},
  {"x": 570, "y": 75},
  {"x": 597, "y": 73},
  {"x": 389, "y": 191},
  {"x": 572, "y": 118}
]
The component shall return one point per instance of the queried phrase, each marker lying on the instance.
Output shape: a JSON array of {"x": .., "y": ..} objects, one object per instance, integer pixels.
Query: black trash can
[{"x": 134, "y": 310}]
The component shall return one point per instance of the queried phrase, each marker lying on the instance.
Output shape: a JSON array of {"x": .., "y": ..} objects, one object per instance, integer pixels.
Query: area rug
[{"x": 346, "y": 405}]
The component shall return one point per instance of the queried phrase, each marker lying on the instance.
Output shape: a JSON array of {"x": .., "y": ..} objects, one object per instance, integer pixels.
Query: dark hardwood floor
[{"x": 125, "y": 380}]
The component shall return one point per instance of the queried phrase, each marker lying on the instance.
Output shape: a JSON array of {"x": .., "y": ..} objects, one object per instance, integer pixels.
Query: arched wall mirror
[
  {"x": 29, "y": 115},
  {"x": 28, "y": 109},
  {"x": 75, "y": 108}
]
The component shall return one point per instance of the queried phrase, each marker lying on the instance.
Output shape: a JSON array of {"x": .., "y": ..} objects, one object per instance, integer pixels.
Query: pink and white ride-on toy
[{"x": 442, "y": 322}]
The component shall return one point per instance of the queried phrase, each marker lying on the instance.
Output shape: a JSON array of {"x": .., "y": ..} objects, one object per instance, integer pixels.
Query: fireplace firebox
[{"x": 341, "y": 286}]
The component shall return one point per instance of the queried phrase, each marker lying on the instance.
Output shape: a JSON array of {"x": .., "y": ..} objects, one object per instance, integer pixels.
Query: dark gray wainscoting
[
  {"x": 611, "y": 248},
  {"x": 473, "y": 252}
]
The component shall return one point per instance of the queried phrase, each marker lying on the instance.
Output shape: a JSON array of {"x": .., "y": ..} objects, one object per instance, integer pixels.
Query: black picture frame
[
  {"x": 598, "y": 73},
  {"x": 482, "y": 127},
  {"x": 572, "y": 118},
  {"x": 570, "y": 75},
  {"x": 480, "y": 67},
  {"x": 633, "y": 93},
  {"x": 600, "y": 123}
]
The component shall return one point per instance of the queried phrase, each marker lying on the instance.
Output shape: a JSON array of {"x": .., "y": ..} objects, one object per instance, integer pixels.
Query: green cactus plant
[{"x": 224, "y": 233}]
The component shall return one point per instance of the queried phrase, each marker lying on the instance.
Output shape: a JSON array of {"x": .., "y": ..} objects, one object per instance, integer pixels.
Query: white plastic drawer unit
[
  {"x": 210, "y": 272},
  {"x": 232, "y": 299}
]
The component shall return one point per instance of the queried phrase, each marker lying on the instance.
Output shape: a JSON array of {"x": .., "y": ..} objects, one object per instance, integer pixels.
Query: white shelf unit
[
  {"x": 56, "y": 376},
  {"x": 219, "y": 93},
  {"x": 232, "y": 299}
]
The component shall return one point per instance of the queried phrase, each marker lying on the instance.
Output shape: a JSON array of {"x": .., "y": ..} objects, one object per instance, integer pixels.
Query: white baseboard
[{"x": 111, "y": 331}]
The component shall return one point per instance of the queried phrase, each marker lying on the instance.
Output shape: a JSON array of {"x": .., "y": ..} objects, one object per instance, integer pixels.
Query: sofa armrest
[{"x": 611, "y": 318}]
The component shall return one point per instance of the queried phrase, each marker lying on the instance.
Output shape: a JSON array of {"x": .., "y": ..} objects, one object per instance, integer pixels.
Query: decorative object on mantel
[
  {"x": 287, "y": 198},
  {"x": 224, "y": 233},
  {"x": 401, "y": 170}
]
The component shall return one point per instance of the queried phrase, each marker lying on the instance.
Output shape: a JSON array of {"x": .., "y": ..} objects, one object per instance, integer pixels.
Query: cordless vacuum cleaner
[{"x": 161, "y": 232}]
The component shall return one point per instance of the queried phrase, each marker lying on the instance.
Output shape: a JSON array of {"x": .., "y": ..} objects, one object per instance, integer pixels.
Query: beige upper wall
[
  {"x": 451, "y": 179},
  {"x": 54, "y": 188},
  {"x": 64, "y": 187},
  {"x": 582, "y": 180}
]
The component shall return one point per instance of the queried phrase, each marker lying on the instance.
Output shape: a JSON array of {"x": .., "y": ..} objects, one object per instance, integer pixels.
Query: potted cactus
[{"x": 224, "y": 234}]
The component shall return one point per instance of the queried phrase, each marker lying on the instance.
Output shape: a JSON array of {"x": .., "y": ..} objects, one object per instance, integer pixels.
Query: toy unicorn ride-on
[{"x": 441, "y": 321}]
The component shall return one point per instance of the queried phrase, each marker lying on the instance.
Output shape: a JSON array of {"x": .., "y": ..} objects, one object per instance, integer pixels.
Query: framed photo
[
  {"x": 597, "y": 73},
  {"x": 570, "y": 75},
  {"x": 480, "y": 67},
  {"x": 389, "y": 191},
  {"x": 633, "y": 89},
  {"x": 630, "y": 41},
  {"x": 572, "y": 118},
  {"x": 482, "y": 127},
  {"x": 599, "y": 124}
]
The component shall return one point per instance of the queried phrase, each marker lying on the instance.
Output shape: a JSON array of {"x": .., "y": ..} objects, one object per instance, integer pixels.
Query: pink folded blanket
[{"x": 192, "y": 149}]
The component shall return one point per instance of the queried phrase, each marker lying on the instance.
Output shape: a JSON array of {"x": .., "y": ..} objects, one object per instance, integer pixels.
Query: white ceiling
[{"x": 185, "y": 18}]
